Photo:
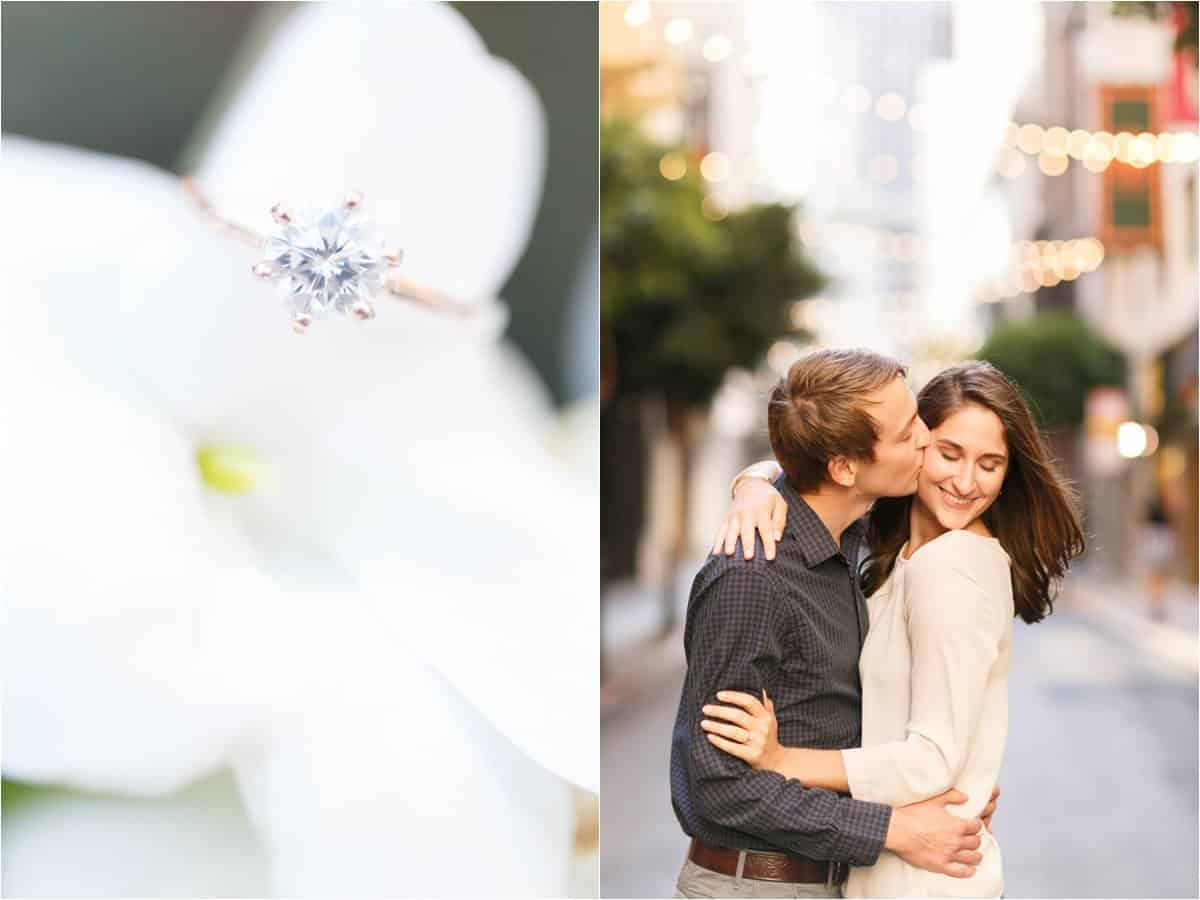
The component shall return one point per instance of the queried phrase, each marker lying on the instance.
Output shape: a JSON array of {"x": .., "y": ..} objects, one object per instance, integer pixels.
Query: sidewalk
[
  {"x": 637, "y": 659},
  {"x": 1121, "y": 607}
]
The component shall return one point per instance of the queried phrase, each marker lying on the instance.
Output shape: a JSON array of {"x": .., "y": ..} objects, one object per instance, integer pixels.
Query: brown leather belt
[{"x": 763, "y": 866}]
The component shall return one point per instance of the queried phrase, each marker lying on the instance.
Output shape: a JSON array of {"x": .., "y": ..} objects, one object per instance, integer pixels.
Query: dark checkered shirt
[{"x": 795, "y": 627}]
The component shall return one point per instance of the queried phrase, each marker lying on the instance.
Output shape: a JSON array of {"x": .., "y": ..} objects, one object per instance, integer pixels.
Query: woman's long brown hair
[{"x": 1034, "y": 517}]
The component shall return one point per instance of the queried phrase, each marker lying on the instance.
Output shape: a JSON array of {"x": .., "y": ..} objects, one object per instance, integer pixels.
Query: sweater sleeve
[{"x": 957, "y": 618}]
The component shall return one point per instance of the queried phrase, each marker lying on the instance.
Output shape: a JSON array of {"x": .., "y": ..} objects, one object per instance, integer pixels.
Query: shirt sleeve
[
  {"x": 736, "y": 643},
  {"x": 955, "y": 630}
]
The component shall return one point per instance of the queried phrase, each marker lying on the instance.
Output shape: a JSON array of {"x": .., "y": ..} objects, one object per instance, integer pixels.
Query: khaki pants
[{"x": 697, "y": 881}]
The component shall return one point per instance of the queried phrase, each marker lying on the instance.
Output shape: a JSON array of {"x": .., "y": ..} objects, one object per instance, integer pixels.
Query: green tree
[
  {"x": 685, "y": 296},
  {"x": 1055, "y": 359}
]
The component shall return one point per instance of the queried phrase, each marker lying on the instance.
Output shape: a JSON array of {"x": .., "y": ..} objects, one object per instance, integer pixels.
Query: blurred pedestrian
[{"x": 1157, "y": 555}]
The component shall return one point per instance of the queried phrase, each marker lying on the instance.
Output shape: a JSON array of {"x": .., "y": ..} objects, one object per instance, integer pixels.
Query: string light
[
  {"x": 1029, "y": 138},
  {"x": 1166, "y": 144},
  {"x": 1077, "y": 144},
  {"x": 673, "y": 166},
  {"x": 1097, "y": 157},
  {"x": 637, "y": 13},
  {"x": 1123, "y": 142},
  {"x": 678, "y": 32},
  {"x": 1032, "y": 263},
  {"x": 1056, "y": 141},
  {"x": 1050, "y": 164},
  {"x": 717, "y": 48},
  {"x": 1132, "y": 440},
  {"x": 1034, "y": 139},
  {"x": 1097, "y": 150},
  {"x": 1038, "y": 264},
  {"x": 715, "y": 167},
  {"x": 891, "y": 107},
  {"x": 1054, "y": 146},
  {"x": 1143, "y": 150},
  {"x": 1028, "y": 281}
]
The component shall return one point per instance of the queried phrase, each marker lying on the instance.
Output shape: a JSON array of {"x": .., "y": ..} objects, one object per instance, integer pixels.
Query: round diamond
[{"x": 327, "y": 261}]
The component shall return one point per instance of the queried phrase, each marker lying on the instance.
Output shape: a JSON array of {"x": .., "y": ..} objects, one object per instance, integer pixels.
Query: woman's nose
[{"x": 963, "y": 480}]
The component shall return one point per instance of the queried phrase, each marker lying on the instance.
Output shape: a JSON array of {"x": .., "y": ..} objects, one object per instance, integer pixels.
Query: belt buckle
[{"x": 836, "y": 874}]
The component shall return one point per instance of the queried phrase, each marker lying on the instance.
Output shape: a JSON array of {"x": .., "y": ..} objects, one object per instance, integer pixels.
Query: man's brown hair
[{"x": 818, "y": 412}]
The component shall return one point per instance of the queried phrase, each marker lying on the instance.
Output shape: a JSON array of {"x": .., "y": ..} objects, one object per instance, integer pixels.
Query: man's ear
[{"x": 842, "y": 471}]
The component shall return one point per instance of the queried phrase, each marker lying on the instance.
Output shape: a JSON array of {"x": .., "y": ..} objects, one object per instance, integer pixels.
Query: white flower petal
[
  {"x": 127, "y": 611},
  {"x": 402, "y": 101},
  {"x": 441, "y": 519},
  {"x": 386, "y": 777},
  {"x": 195, "y": 843}
]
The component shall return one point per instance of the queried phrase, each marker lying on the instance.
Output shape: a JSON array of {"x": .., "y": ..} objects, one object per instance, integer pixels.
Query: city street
[{"x": 1099, "y": 783}]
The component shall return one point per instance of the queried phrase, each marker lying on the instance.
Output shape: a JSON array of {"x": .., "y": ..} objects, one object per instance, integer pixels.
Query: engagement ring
[{"x": 327, "y": 262}]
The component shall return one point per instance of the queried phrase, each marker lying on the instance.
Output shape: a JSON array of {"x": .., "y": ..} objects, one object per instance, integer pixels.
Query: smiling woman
[{"x": 987, "y": 450}]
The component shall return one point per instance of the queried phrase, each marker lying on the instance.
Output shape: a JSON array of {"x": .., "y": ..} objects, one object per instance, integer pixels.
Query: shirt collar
[{"x": 805, "y": 527}]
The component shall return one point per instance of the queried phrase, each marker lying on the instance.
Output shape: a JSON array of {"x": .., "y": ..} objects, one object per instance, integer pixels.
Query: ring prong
[
  {"x": 281, "y": 214},
  {"x": 393, "y": 255},
  {"x": 300, "y": 322},
  {"x": 353, "y": 200},
  {"x": 363, "y": 310},
  {"x": 264, "y": 269}
]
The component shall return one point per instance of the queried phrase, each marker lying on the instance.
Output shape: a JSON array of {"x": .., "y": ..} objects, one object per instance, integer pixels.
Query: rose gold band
[
  {"x": 407, "y": 289},
  {"x": 244, "y": 235}
]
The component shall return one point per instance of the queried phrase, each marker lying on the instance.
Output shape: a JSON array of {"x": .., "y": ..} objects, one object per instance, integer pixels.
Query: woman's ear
[{"x": 842, "y": 471}]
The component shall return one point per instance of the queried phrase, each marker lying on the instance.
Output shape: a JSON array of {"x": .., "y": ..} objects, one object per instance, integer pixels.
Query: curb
[{"x": 1177, "y": 647}]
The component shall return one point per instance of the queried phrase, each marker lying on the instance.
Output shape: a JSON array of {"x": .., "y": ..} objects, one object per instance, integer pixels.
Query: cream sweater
[{"x": 935, "y": 700}]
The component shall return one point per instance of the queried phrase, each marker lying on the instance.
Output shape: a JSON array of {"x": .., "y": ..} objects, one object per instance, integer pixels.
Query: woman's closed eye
[{"x": 949, "y": 457}]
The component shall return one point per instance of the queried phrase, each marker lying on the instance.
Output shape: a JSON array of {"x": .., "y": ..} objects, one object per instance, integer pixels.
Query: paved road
[{"x": 1099, "y": 783}]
